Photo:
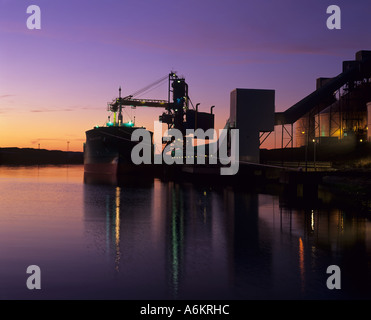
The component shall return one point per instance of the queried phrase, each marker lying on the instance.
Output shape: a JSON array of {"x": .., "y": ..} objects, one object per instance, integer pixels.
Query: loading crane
[{"x": 177, "y": 115}]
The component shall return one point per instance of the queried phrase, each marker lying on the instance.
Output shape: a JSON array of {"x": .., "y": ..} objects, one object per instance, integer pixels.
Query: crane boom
[{"x": 138, "y": 103}]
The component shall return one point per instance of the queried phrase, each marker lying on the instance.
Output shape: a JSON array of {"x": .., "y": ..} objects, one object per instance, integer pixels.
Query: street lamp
[
  {"x": 306, "y": 149},
  {"x": 314, "y": 154}
]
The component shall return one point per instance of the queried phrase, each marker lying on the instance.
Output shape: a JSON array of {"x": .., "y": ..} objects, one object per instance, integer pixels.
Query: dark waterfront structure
[
  {"x": 330, "y": 125},
  {"x": 108, "y": 149},
  {"x": 331, "y": 122},
  {"x": 325, "y": 137}
]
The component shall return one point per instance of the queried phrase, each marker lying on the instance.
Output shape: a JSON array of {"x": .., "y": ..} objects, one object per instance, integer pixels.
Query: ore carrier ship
[{"x": 107, "y": 150}]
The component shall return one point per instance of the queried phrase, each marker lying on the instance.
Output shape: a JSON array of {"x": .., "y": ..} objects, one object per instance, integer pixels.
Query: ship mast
[{"x": 120, "y": 108}]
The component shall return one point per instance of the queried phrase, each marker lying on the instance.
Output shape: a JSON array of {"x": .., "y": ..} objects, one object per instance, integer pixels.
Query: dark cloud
[{"x": 51, "y": 110}]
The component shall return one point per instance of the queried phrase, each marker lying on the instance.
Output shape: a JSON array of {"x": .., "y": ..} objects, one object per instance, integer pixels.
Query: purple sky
[{"x": 55, "y": 82}]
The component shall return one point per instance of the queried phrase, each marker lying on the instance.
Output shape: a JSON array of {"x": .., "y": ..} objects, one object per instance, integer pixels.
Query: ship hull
[{"x": 107, "y": 151}]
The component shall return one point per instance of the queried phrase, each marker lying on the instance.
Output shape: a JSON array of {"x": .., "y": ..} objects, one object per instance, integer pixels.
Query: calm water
[{"x": 164, "y": 240}]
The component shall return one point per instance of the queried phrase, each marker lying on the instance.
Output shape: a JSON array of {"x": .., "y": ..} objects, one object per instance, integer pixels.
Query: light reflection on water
[{"x": 165, "y": 240}]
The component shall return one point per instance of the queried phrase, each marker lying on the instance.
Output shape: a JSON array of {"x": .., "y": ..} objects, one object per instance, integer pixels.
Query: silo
[
  {"x": 301, "y": 131},
  {"x": 328, "y": 122}
]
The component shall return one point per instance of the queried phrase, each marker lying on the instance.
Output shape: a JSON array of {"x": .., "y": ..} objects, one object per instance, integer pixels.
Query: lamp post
[
  {"x": 314, "y": 154},
  {"x": 306, "y": 149}
]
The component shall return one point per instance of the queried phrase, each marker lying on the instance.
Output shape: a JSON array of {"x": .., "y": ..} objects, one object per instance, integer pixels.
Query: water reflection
[
  {"x": 117, "y": 229},
  {"x": 176, "y": 236},
  {"x": 173, "y": 240},
  {"x": 331, "y": 231},
  {"x": 167, "y": 240}
]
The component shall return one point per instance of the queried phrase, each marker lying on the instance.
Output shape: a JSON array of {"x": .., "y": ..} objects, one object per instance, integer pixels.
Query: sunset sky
[{"x": 55, "y": 82}]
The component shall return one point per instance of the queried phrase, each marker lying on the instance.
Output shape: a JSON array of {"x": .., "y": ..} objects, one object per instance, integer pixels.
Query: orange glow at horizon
[{"x": 62, "y": 130}]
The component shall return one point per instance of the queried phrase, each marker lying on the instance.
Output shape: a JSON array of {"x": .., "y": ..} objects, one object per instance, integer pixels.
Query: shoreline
[
  {"x": 30, "y": 156},
  {"x": 347, "y": 180}
]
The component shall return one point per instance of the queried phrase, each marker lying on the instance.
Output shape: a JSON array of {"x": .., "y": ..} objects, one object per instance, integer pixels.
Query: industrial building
[
  {"x": 336, "y": 116},
  {"x": 336, "y": 111}
]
